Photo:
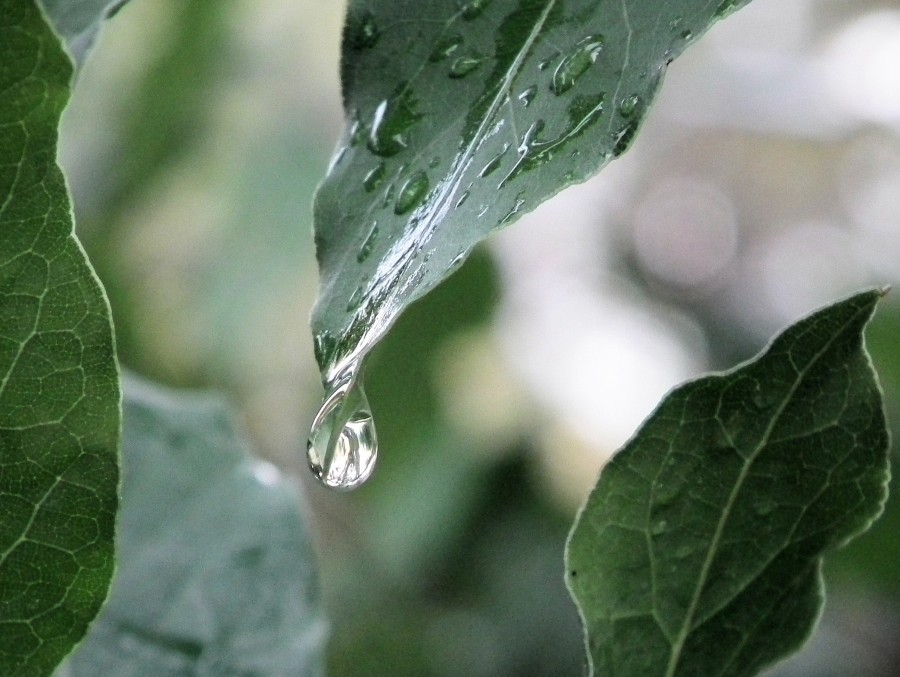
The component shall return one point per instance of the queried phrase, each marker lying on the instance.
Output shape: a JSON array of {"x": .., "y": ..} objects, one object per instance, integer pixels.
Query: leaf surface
[
  {"x": 461, "y": 117},
  {"x": 216, "y": 574},
  {"x": 77, "y": 22},
  {"x": 59, "y": 385},
  {"x": 699, "y": 551}
]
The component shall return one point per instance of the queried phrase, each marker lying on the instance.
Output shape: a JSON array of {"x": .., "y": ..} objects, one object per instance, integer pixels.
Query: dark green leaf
[
  {"x": 462, "y": 116},
  {"x": 216, "y": 573},
  {"x": 78, "y": 21},
  {"x": 699, "y": 551},
  {"x": 59, "y": 386}
]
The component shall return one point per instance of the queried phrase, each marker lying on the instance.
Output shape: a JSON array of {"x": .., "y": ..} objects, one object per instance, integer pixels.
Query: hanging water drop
[
  {"x": 411, "y": 193},
  {"x": 355, "y": 299},
  {"x": 342, "y": 445},
  {"x": 575, "y": 64}
]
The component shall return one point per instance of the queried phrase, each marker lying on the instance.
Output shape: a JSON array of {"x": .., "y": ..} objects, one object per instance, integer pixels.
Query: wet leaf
[
  {"x": 216, "y": 573},
  {"x": 59, "y": 386},
  {"x": 461, "y": 117},
  {"x": 699, "y": 552}
]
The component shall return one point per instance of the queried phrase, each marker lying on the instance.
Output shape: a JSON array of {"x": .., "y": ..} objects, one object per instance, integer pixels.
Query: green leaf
[
  {"x": 77, "y": 22},
  {"x": 699, "y": 551},
  {"x": 59, "y": 385},
  {"x": 461, "y": 117},
  {"x": 216, "y": 573}
]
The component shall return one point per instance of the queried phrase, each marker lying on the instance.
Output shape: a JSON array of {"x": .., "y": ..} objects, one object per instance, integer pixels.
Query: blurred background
[{"x": 765, "y": 182}]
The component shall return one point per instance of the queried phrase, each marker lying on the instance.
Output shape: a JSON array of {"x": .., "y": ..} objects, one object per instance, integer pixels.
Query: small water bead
[
  {"x": 342, "y": 445},
  {"x": 515, "y": 209},
  {"x": 575, "y": 64},
  {"x": 462, "y": 199},
  {"x": 355, "y": 299},
  {"x": 362, "y": 31},
  {"x": 544, "y": 63},
  {"x": 527, "y": 95},
  {"x": 725, "y": 8},
  {"x": 464, "y": 65},
  {"x": 629, "y": 105},
  {"x": 374, "y": 177},
  {"x": 494, "y": 163},
  {"x": 445, "y": 46},
  {"x": 412, "y": 193},
  {"x": 368, "y": 244},
  {"x": 389, "y": 195},
  {"x": 391, "y": 123}
]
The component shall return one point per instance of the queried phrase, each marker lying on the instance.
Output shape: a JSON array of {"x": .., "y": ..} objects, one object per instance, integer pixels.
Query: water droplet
[
  {"x": 389, "y": 195},
  {"x": 355, "y": 298},
  {"x": 465, "y": 65},
  {"x": 336, "y": 158},
  {"x": 659, "y": 528},
  {"x": 765, "y": 507},
  {"x": 629, "y": 105},
  {"x": 527, "y": 95},
  {"x": 374, "y": 178},
  {"x": 391, "y": 123},
  {"x": 725, "y": 8},
  {"x": 683, "y": 551},
  {"x": 515, "y": 209},
  {"x": 494, "y": 162},
  {"x": 342, "y": 445},
  {"x": 534, "y": 151},
  {"x": 362, "y": 31},
  {"x": 686, "y": 35},
  {"x": 435, "y": 161},
  {"x": 411, "y": 193},
  {"x": 544, "y": 63},
  {"x": 474, "y": 8},
  {"x": 445, "y": 46},
  {"x": 368, "y": 244},
  {"x": 462, "y": 199},
  {"x": 575, "y": 64},
  {"x": 458, "y": 259},
  {"x": 623, "y": 138}
]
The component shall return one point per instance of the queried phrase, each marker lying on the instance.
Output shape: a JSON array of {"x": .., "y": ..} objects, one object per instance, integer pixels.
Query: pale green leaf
[
  {"x": 216, "y": 573},
  {"x": 462, "y": 116},
  {"x": 59, "y": 386},
  {"x": 699, "y": 551}
]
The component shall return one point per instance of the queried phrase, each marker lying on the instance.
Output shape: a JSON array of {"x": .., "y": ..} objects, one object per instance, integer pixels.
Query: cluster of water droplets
[{"x": 342, "y": 446}]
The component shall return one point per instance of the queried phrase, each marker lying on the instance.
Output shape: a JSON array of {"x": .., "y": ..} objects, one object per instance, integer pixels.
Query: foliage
[{"x": 59, "y": 392}]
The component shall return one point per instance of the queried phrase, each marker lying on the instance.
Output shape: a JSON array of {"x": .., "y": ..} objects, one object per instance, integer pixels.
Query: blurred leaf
[
  {"x": 216, "y": 572},
  {"x": 699, "y": 551},
  {"x": 78, "y": 21},
  {"x": 59, "y": 386},
  {"x": 462, "y": 116}
]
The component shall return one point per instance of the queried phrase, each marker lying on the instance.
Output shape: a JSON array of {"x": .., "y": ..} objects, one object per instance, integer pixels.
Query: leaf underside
[
  {"x": 461, "y": 117},
  {"x": 216, "y": 574},
  {"x": 59, "y": 386},
  {"x": 699, "y": 551}
]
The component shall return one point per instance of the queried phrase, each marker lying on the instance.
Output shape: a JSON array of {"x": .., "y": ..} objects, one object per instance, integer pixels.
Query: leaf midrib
[{"x": 678, "y": 645}]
